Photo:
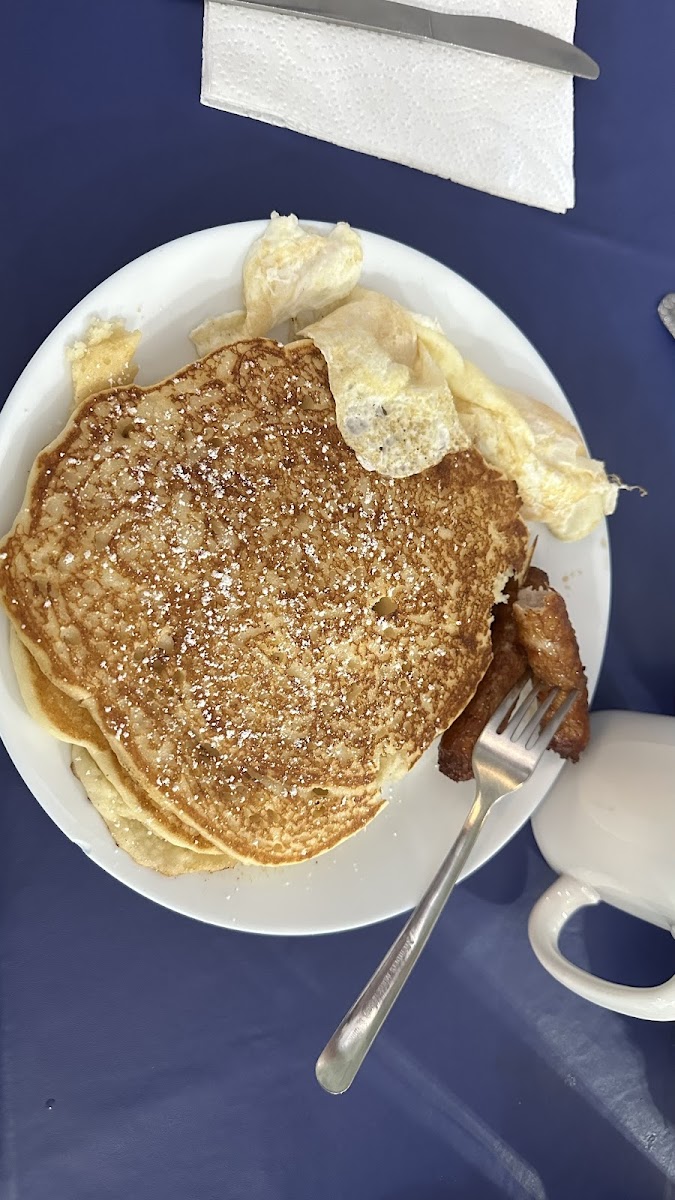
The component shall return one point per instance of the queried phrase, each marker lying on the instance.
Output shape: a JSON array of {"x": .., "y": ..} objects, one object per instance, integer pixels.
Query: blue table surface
[{"x": 145, "y": 1056}]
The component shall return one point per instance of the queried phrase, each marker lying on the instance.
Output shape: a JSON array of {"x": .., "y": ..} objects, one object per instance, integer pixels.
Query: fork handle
[{"x": 339, "y": 1062}]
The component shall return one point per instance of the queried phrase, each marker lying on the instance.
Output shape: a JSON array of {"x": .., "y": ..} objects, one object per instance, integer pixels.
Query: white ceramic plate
[{"x": 383, "y": 870}]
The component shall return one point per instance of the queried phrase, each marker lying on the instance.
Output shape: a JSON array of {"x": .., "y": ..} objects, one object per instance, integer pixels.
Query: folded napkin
[{"x": 499, "y": 126}]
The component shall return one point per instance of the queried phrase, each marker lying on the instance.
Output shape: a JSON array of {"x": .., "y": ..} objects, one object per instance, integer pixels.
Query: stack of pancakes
[{"x": 242, "y": 632}]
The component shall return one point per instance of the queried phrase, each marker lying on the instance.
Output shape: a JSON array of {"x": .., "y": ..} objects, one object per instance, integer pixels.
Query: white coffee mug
[{"x": 608, "y": 828}]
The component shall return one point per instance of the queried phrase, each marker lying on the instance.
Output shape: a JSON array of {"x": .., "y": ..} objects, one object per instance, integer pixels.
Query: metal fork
[{"x": 502, "y": 761}]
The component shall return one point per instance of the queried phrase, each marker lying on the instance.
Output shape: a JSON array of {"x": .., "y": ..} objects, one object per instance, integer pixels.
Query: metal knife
[
  {"x": 667, "y": 312},
  {"x": 488, "y": 35}
]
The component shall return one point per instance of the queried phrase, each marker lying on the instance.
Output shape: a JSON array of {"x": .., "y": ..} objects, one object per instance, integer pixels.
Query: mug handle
[{"x": 547, "y": 919}]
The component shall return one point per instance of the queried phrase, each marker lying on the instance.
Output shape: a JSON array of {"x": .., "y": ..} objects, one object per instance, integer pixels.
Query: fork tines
[{"x": 512, "y": 714}]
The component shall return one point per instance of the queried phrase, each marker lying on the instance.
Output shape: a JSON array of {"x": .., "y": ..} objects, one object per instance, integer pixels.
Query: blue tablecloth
[{"x": 146, "y": 1057}]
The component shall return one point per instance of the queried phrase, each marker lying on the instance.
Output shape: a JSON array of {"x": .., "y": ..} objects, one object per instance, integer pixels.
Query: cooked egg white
[
  {"x": 289, "y": 272},
  {"x": 404, "y": 395}
]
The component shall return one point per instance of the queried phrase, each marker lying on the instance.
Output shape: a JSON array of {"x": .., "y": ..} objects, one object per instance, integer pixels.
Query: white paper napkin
[{"x": 499, "y": 126}]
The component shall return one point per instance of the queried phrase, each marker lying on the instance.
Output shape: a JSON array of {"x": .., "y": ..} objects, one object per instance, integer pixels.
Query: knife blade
[
  {"x": 666, "y": 312},
  {"x": 487, "y": 35}
]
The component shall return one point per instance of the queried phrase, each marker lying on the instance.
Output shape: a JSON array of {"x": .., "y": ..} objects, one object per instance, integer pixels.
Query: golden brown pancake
[
  {"x": 263, "y": 632},
  {"x": 145, "y": 847},
  {"x": 68, "y": 720}
]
